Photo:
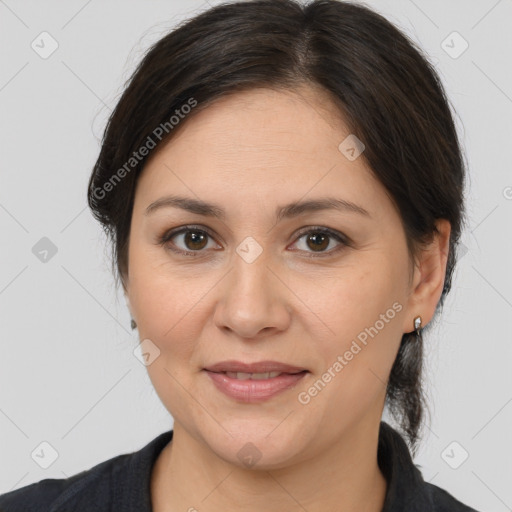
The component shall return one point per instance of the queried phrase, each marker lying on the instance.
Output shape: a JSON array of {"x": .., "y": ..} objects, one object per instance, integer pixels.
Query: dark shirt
[{"x": 122, "y": 484}]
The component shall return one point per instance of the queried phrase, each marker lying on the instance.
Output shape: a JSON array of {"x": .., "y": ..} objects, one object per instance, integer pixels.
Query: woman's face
[{"x": 261, "y": 282}]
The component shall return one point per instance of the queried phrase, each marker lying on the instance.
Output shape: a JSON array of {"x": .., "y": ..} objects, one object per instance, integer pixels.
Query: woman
[{"x": 283, "y": 187}]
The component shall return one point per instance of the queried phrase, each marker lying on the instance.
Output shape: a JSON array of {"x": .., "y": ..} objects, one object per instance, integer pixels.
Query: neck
[{"x": 345, "y": 478}]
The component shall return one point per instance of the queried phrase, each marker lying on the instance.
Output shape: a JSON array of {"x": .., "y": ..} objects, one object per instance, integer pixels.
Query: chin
[{"x": 258, "y": 444}]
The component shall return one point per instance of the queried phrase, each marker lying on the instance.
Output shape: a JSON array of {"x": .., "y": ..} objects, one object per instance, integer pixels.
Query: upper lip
[{"x": 257, "y": 367}]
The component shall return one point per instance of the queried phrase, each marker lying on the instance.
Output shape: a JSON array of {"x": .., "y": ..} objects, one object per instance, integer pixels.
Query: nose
[{"x": 253, "y": 300}]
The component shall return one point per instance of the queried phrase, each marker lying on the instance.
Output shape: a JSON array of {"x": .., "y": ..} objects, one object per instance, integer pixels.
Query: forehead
[
  {"x": 259, "y": 126},
  {"x": 256, "y": 145},
  {"x": 307, "y": 111}
]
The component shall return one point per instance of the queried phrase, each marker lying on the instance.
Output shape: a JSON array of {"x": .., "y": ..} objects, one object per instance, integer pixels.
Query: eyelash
[{"x": 168, "y": 235}]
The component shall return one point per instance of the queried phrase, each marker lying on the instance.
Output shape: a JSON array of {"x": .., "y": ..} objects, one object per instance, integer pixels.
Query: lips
[
  {"x": 254, "y": 382},
  {"x": 258, "y": 367}
]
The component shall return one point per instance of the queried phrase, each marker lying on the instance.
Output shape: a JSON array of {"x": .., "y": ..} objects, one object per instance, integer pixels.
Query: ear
[
  {"x": 428, "y": 278},
  {"x": 123, "y": 279},
  {"x": 128, "y": 305},
  {"x": 127, "y": 298}
]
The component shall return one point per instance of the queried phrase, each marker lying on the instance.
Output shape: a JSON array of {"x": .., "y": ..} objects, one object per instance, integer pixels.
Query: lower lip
[{"x": 252, "y": 390}]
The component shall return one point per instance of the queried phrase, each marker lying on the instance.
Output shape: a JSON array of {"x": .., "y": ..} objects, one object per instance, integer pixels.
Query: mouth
[
  {"x": 254, "y": 382},
  {"x": 260, "y": 367},
  {"x": 256, "y": 376}
]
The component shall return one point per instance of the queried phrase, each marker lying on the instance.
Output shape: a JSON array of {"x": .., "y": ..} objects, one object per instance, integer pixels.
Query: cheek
[
  {"x": 363, "y": 308},
  {"x": 356, "y": 297},
  {"x": 162, "y": 300},
  {"x": 168, "y": 309},
  {"x": 173, "y": 307}
]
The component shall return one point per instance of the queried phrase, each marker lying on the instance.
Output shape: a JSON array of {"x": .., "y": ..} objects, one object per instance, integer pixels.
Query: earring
[
  {"x": 417, "y": 325},
  {"x": 133, "y": 324}
]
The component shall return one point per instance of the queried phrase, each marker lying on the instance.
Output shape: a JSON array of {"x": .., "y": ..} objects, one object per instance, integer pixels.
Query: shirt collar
[{"x": 406, "y": 490}]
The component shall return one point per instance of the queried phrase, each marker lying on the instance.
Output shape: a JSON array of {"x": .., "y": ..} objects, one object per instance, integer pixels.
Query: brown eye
[
  {"x": 188, "y": 240},
  {"x": 318, "y": 239},
  {"x": 191, "y": 241},
  {"x": 195, "y": 240}
]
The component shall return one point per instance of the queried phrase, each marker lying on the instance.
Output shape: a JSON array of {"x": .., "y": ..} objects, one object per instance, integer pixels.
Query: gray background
[{"x": 68, "y": 375}]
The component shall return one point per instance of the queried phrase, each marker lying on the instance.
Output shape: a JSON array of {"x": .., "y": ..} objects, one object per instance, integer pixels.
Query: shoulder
[
  {"x": 119, "y": 483},
  {"x": 88, "y": 490},
  {"x": 407, "y": 489},
  {"x": 443, "y": 501}
]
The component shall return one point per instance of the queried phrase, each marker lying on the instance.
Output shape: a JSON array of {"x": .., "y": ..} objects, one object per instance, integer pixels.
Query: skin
[{"x": 251, "y": 152}]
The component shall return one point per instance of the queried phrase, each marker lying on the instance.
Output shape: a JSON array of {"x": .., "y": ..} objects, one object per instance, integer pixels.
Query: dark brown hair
[{"x": 387, "y": 92}]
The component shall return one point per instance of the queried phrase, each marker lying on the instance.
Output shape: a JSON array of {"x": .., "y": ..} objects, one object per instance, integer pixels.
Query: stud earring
[
  {"x": 133, "y": 324},
  {"x": 417, "y": 325}
]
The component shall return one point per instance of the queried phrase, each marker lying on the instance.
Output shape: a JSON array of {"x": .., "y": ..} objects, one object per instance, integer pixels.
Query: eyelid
[
  {"x": 343, "y": 240},
  {"x": 165, "y": 238},
  {"x": 324, "y": 229}
]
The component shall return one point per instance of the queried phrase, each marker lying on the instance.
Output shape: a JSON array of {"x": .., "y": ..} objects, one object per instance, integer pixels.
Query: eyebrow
[{"x": 287, "y": 211}]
